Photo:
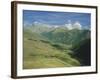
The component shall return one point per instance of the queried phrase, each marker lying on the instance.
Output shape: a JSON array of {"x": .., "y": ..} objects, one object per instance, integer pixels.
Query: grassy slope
[{"x": 38, "y": 54}]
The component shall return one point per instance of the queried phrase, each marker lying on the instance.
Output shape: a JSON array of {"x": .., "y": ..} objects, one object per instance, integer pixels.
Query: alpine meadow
[{"x": 56, "y": 39}]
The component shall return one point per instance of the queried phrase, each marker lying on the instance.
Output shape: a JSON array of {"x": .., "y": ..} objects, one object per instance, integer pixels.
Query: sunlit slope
[{"x": 40, "y": 53}]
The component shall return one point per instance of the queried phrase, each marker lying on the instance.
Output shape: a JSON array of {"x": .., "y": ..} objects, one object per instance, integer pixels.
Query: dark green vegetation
[
  {"x": 82, "y": 52},
  {"x": 46, "y": 47}
]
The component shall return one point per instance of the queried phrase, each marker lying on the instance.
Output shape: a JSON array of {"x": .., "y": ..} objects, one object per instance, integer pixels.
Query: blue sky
[{"x": 55, "y": 18}]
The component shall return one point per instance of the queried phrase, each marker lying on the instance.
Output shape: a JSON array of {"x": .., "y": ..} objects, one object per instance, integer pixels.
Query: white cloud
[
  {"x": 71, "y": 26},
  {"x": 36, "y": 23},
  {"x": 56, "y": 26},
  {"x": 77, "y": 25}
]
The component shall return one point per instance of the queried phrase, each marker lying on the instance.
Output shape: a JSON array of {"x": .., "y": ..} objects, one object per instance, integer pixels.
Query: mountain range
[
  {"x": 66, "y": 34},
  {"x": 55, "y": 45}
]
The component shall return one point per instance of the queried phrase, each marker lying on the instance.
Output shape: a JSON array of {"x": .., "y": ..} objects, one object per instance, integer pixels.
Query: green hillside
[
  {"x": 66, "y": 36},
  {"x": 39, "y": 52}
]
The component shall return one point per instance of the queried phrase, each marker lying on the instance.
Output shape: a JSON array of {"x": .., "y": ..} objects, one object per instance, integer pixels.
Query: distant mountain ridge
[
  {"x": 61, "y": 33},
  {"x": 69, "y": 26}
]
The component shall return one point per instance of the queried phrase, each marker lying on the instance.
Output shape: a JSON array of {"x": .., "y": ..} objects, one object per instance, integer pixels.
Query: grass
[
  {"x": 44, "y": 62},
  {"x": 39, "y": 54}
]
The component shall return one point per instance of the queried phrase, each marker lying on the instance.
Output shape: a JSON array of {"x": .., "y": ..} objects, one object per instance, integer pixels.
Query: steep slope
[
  {"x": 82, "y": 51},
  {"x": 38, "y": 50}
]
